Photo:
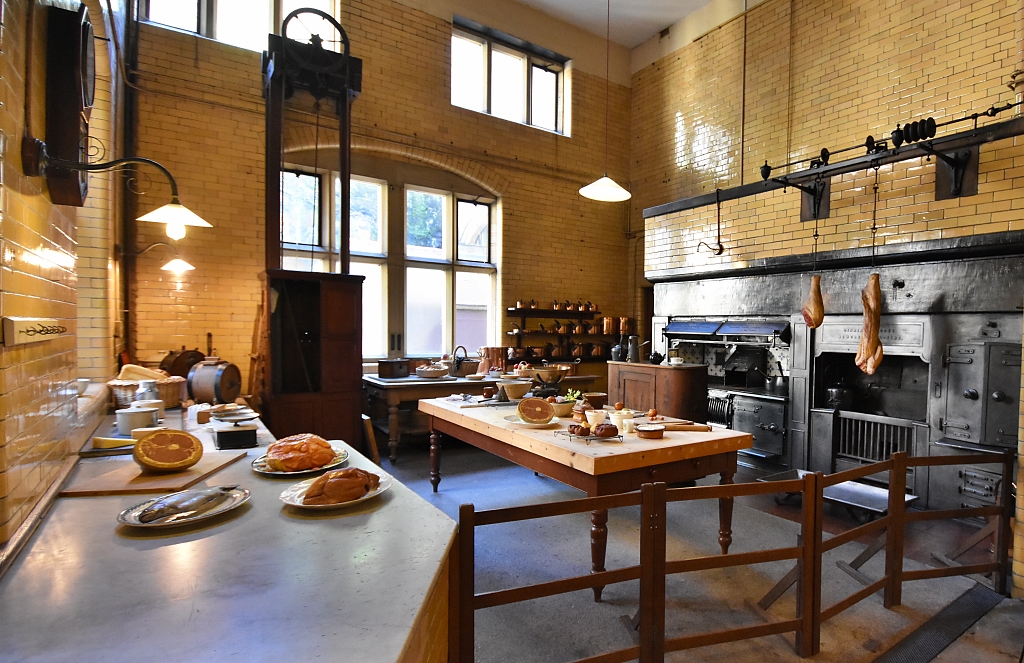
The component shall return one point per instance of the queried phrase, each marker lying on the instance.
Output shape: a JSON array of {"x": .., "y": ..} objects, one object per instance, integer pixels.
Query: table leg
[
  {"x": 725, "y": 515},
  {"x": 598, "y": 545},
  {"x": 393, "y": 430},
  {"x": 435, "y": 459}
]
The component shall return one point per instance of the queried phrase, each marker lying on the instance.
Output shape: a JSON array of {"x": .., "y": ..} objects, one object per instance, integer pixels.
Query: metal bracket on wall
[
  {"x": 956, "y": 173},
  {"x": 814, "y": 203}
]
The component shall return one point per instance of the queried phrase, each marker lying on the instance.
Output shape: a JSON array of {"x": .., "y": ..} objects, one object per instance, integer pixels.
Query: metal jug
[{"x": 633, "y": 352}]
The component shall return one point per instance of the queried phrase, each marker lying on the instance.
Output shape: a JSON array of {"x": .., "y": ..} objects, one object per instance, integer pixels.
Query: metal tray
[{"x": 130, "y": 516}]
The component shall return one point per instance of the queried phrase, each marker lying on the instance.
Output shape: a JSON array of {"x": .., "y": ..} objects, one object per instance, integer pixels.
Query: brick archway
[{"x": 303, "y": 137}]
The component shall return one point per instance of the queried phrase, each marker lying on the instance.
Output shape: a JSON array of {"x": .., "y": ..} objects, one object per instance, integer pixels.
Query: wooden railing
[{"x": 654, "y": 567}]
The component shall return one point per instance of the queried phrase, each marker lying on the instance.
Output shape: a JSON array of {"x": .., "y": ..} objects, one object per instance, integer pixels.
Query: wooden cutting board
[{"x": 128, "y": 478}]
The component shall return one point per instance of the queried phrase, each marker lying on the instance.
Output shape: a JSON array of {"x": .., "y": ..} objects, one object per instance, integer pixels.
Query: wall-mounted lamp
[
  {"x": 35, "y": 161},
  {"x": 177, "y": 266}
]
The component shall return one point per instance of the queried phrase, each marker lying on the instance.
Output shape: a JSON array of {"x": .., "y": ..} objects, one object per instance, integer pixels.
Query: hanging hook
[{"x": 718, "y": 249}]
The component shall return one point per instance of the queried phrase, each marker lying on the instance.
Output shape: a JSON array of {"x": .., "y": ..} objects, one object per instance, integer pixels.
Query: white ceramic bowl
[{"x": 596, "y": 417}]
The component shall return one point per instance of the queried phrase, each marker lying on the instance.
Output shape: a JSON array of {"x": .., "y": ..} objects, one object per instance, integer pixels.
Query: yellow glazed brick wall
[
  {"x": 37, "y": 279},
  {"x": 98, "y": 302},
  {"x": 201, "y": 114},
  {"x": 821, "y": 74}
]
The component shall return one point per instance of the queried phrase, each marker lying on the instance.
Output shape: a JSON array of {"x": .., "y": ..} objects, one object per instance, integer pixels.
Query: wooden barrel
[
  {"x": 180, "y": 362},
  {"x": 214, "y": 381}
]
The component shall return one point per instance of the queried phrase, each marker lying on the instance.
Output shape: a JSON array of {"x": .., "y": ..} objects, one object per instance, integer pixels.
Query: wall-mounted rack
[{"x": 953, "y": 180}]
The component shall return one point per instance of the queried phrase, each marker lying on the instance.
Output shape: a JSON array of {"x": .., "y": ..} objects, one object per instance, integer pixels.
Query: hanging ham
[
  {"x": 814, "y": 308},
  {"x": 869, "y": 353}
]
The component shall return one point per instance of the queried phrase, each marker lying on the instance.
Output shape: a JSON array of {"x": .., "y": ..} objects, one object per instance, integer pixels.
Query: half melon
[
  {"x": 168, "y": 451},
  {"x": 535, "y": 411}
]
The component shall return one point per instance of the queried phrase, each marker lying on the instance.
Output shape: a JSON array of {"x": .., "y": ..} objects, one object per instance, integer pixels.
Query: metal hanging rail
[{"x": 940, "y": 147}]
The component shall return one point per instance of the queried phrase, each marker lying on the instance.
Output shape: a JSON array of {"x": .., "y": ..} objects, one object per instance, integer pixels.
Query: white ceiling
[{"x": 632, "y": 21}]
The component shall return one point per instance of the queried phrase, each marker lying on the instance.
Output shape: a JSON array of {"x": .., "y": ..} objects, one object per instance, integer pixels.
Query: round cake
[
  {"x": 168, "y": 451},
  {"x": 535, "y": 411}
]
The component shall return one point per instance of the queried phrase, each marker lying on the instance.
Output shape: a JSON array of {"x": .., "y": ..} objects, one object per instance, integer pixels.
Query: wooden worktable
[
  {"x": 597, "y": 468},
  {"x": 395, "y": 391}
]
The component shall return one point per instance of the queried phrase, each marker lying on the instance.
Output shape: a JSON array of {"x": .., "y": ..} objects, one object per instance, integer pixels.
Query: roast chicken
[
  {"x": 297, "y": 453},
  {"x": 339, "y": 486}
]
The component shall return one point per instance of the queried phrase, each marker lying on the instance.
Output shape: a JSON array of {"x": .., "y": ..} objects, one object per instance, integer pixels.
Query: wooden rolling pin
[{"x": 681, "y": 426}]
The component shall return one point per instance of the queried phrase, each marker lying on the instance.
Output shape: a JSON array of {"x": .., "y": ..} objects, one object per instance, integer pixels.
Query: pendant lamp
[{"x": 606, "y": 189}]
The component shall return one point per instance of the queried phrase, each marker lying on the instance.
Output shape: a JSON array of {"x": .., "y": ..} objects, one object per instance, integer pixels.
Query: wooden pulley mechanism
[
  {"x": 180, "y": 362},
  {"x": 214, "y": 380}
]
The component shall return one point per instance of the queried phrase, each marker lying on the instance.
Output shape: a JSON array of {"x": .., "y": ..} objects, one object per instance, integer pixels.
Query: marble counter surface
[{"x": 265, "y": 582}]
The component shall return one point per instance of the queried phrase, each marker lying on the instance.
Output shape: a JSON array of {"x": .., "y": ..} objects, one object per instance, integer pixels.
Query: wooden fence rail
[{"x": 654, "y": 567}]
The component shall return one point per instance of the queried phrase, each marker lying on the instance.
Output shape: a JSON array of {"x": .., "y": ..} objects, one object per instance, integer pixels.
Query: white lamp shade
[
  {"x": 175, "y": 213},
  {"x": 178, "y": 266},
  {"x": 605, "y": 190}
]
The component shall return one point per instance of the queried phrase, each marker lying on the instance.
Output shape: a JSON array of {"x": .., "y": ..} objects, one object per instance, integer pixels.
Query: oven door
[{"x": 765, "y": 420}]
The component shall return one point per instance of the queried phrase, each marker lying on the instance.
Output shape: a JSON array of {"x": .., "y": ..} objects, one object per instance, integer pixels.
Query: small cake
[
  {"x": 579, "y": 429},
  {"x": 579, "y": 411},
  {"x": 606, "y": 430}
]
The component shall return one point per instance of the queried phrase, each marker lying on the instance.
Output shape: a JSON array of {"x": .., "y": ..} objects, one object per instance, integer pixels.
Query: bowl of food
[{"x": 515, "y": 389}]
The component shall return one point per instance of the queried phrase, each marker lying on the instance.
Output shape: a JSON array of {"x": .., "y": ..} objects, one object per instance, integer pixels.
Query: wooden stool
[{"x": 370, "y": 441}]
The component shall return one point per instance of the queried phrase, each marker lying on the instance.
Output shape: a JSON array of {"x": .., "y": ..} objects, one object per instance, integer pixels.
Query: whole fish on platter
[{"x": 187, "y": 503}]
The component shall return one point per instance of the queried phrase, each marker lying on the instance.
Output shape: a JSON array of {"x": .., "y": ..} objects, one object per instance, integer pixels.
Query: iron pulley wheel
[{"x": 316, "y": 59}]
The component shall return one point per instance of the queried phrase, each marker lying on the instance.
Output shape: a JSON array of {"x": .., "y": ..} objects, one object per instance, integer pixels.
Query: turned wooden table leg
[
  {"x": 725, "y": 515},
  {"x": 393, "y": 430},
  {"x": 435, "y": 459},
  {"x": 598, "y": 545}
]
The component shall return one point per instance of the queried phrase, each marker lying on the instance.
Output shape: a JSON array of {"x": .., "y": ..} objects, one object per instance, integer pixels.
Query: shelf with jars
[{"x": 579, "y": 332}]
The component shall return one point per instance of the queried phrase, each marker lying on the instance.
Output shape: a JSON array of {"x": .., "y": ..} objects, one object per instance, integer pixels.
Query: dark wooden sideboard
[
  {"x": 315, "y": 333},
  {"x": 675, "y": 391}
]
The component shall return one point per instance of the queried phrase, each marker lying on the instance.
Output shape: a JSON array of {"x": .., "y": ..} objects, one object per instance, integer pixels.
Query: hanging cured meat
[
  {"x": 814, "y": 308},
  {"x": 869, "y": 354}
]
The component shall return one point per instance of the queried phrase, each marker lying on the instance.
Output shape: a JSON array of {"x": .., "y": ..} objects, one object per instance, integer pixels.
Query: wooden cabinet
[
  {"x": 315, "y": 333},
  {"x": 675, "y": 391}
]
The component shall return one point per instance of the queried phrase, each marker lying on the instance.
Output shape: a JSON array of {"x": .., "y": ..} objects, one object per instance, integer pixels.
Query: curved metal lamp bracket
[{"x": 35, "y": 161}]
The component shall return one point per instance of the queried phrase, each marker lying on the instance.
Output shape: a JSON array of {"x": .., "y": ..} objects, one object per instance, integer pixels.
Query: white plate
[
  {"x": 293, "y": 495},
  {"x": 130, "y": 516},
  {"x": 232, "y": 413},
  {"x": 259, "y": 466},
  {"x": 235, "y": 417},
  {"x": 515, "y": 420}
]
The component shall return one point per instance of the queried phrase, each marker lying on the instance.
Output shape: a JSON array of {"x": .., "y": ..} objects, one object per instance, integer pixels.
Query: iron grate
[{"x": 871, "y": 441}]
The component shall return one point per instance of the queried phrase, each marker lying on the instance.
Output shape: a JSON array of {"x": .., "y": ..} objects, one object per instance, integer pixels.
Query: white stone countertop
[{"x": 265, "y": 582}]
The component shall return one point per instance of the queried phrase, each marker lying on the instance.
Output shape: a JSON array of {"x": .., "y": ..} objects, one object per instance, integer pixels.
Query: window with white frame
[
  {"x": 242, "y": 23},
  {"x": 497, "y": 74},
  {"x": 449, "y": 277}
]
